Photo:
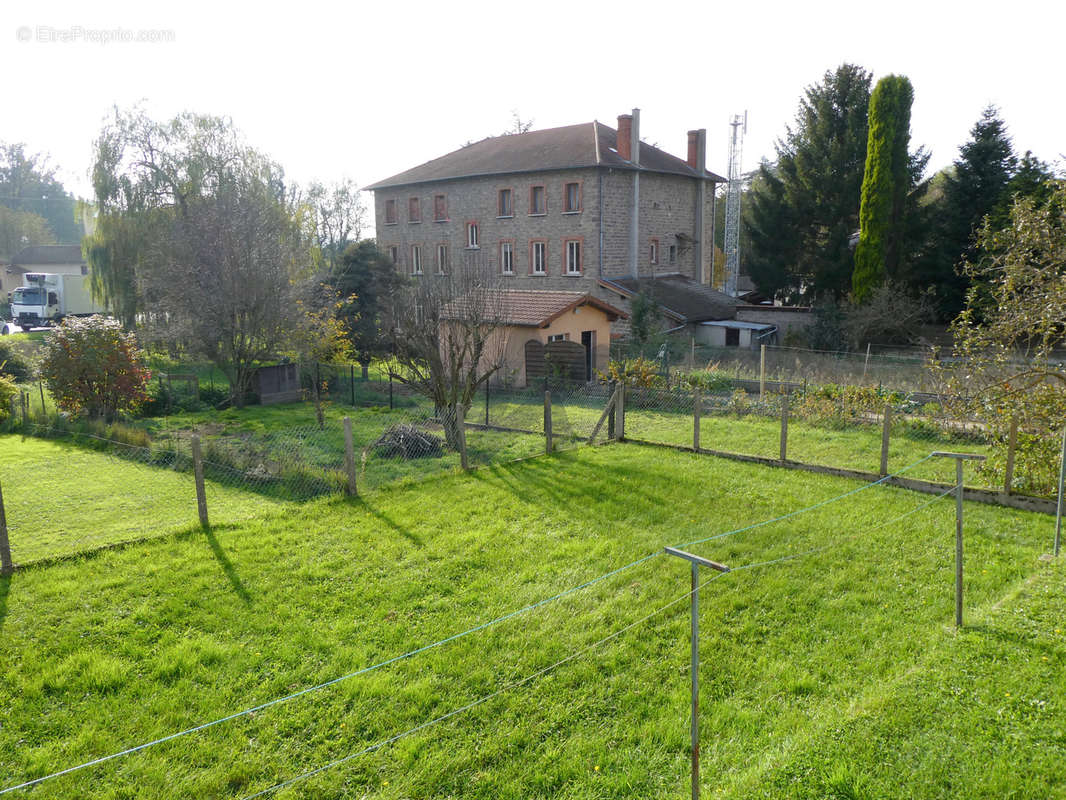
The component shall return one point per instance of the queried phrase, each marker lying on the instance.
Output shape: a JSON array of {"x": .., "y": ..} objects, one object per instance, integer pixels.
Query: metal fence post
[
  {"x": 349, "y": 458},
  {"x": 390, "y": 391},
  {"x": 959, "y": 458},
  {"x": 696, "y": 403},
  {"x": 198, "y": 475},
  {"x": 886, "y": 431},
  {"x": 6, "y": 567},
  {"x": 351, "y": 381},
  {"x": 1012, "y": 443},
  {"x": 486, "y": 404},
  {"x": 547, "y": 422},
  {"x": 694, "y": 622},
  {"x": 784, "y": 426},
  {"x": 24, "y": 398}
]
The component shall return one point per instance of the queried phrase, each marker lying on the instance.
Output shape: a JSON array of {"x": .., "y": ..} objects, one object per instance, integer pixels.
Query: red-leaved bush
[{"x": 94, "y": 368}]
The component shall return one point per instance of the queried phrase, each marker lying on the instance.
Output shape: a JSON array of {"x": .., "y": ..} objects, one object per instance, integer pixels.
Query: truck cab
[{"x": 32, "y": 306}]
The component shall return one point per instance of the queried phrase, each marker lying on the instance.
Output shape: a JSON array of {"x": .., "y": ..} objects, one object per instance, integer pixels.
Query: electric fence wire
[
  {"x": 503, "y": 689},
  {"x": 411, "y": 653},
  {"x": 577, "y": 654}
]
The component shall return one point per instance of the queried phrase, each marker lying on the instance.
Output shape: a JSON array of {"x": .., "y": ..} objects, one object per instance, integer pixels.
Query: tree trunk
[
  {"x": 366, "y": 369},
  {"x": 452, "y": 419}
]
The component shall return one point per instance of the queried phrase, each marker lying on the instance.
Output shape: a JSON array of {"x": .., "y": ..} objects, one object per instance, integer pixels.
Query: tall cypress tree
[
  {"x": 885, "y": 185},
  {"x": 803, "y": 209}
]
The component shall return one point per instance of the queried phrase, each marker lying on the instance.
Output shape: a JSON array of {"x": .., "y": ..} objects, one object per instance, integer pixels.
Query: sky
[{"x": 366, "y": 90}]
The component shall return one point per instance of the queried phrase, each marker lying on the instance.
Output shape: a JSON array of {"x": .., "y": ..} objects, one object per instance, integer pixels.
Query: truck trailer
[{"x": 46, "y": 298}]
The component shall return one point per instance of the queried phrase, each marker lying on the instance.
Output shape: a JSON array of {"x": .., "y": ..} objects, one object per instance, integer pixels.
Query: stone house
[
  {"x": 63, "y": 259},
  {"x": 583, "y": 208}
]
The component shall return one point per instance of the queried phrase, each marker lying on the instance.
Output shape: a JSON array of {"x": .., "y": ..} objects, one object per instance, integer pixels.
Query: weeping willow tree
[{"x": 199, "y": 239}]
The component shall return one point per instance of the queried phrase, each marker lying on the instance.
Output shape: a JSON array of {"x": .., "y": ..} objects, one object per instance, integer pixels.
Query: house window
[
  {"x": 673, "y": 254},
  {"x": 442, "y": 258},
  {"x": 440, "y": 208},
  {"x": 473, "y": 235},
  {"x": 394, "y": 254},
  {"x": 653, "y": 251},
  {"x": 559, "y": 337},
  {"x": 414, "y": 210},
  {"x": 507, "y": 258},
  {"x": 732, "y": 337},
  {"x": 572, "y": 256},
  {"x": 505, "y": 203},
  {"x": 571, "y": 198},
  {"x": 416, "y": 259},
  {"x": 390, "y": 212},
  {"x": 538, "y": 200},
  {"x": 538, "y": 257}
]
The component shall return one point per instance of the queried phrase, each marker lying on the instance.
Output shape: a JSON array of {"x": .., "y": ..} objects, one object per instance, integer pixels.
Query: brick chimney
[
  {"x": 625, "y": 131},
  {"x": 697, "y": 150}
]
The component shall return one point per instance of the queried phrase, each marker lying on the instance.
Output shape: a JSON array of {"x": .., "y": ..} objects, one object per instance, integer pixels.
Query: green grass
[{"x": 834, "y": 675}]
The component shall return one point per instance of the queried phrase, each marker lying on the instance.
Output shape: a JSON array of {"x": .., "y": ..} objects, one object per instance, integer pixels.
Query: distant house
[
  {"x": 549, "y": 333},
  {"x": 63, "y": 259},
  {"x": 586, "y": 209}
]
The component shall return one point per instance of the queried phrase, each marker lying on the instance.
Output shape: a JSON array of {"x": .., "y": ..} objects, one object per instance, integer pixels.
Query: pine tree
[
  {"x": 804, "y": 208},
  {"x": 972, "y": 190},
  {"x": 885, "y": 186}
]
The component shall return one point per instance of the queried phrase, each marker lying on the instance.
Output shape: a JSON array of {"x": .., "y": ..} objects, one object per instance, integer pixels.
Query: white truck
[{"x": 45, "y": 298}]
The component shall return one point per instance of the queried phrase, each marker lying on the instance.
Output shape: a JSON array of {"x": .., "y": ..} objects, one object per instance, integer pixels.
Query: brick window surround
[
  {"x": 538, "y": 200},
  {"x": 390, "y": 212},
  {"x": 573, "y": 255},
  {"x": 473, "y": 234},
  {"x": 572, "y": 199},
  {"x": 414, "y": 210},
  {"x": 440, "y": 208},
  {"x": 442, "y": 258},
  {"x": 416, "y": 259},
  {"x": 505, "y": 203},
  {"x": 538, "y": 256},
  {"x": 653, "y": 250},
  {"x": 507, "y": 248}
]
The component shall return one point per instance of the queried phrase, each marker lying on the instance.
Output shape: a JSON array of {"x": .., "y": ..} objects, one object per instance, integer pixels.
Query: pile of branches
[{"x": 408, "y": 441}]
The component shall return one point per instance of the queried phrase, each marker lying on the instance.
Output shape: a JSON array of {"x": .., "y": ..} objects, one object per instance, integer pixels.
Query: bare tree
[
  {"x": 339, "y": 214},
  {"x": 448, "y": 340}
]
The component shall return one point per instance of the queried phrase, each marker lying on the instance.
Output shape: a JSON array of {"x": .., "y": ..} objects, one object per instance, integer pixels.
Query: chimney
[
  {"x": 697, "y": 150},
  {"x": 634, "y": 137},
  {"x": 625, "y": 127}
]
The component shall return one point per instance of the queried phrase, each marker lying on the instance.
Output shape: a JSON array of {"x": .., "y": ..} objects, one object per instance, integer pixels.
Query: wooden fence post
[
  {"x": 24, "y": 398},
  {"x": 886, "y": 430},
  {"x": 349, "y": 458},
  {"x": 547, "y": 422},
  {"x": 696, "y": 403},
  {"x": 6, "y": 567},
  {"x": 612, "y": 389},
  {"x": 1012, "y": 443},
  {"x": 784, "y": 425},
  {"x": 620, "y": 411},
  {"x": 198, "y": 474},
  {"x": 762, "y": 371}
]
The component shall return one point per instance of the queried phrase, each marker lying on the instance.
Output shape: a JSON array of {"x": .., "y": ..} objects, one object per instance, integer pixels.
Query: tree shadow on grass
[
  {"x": 227, "y": 565},
  {"x": 361, "y": 503},
  {"x": 1014, "y": 640},
  {"x": 5, "y": 588}
]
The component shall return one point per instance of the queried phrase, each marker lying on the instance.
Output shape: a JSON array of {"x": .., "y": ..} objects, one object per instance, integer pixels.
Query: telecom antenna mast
[{"x": 732, "y": 203}]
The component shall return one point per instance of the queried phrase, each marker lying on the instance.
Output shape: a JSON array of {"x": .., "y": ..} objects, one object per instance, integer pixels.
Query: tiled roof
[
  {"x": 590, "y": 144},
  {"x": 537, "y": 308},
  {"x": 49, "y": 254},
  {"x": 680, "y": 297}
]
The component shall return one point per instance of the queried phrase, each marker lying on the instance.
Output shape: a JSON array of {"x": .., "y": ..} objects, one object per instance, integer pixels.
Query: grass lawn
[{"x": 834, "y": 675}]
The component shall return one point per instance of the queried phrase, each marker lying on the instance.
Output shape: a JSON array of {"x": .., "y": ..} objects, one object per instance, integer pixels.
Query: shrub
[
  {"x": 12, "y": 363},
  {"x": 640, "y": 372},
  {"x": 8, "y": 390},
  {"x": 94, "y": 368},
  {"x": 708, "y": 380}
]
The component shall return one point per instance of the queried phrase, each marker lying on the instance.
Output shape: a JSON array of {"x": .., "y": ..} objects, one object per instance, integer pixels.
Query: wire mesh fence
[{"x": 72, "y": 487}]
